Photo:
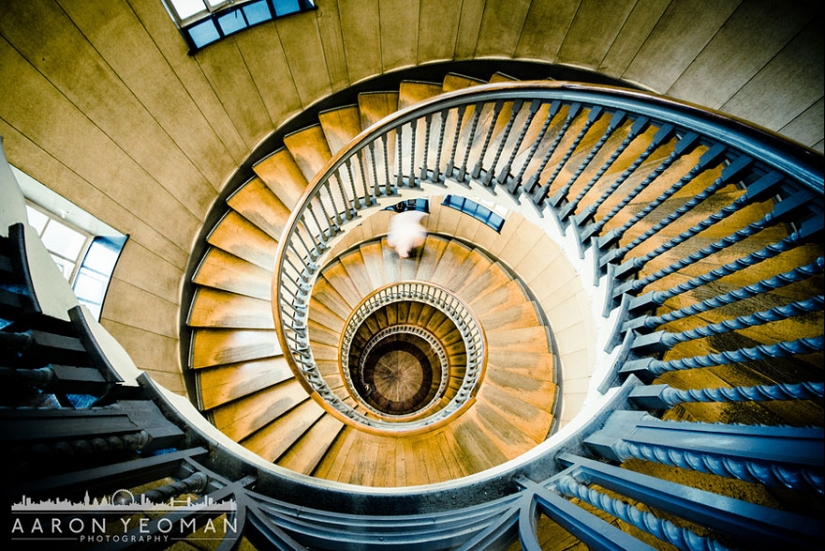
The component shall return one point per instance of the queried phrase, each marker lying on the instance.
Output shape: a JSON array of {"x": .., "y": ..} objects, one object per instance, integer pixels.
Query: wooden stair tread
[
  {"x": 454, "y": 81},
  {"x": 222, "y": 384},
  {"x": 451, "y": 262},
  {"x": 256, "y": 202},
  {"x": 307, "y": 452},
  {"x": 283, "y": 177},
  {"x": 222, "y": 270},
  {"x": 244, "y": 416},
  {"x": 236, "y": 235},
  {"x": 374, "y": 106},
  {"x": 531, "y": 421},
  {"x": 310, "y": 150},
  {"x": 430, "y": 256},
  {"x": 215, "y": 308},
  {"x": 273, "y": 440},
  {"x": 411, "y": 92},
  {"x": 529, "y": 339},
  {"x": 340, "y": 126},
  {"x": 356, "y": 271},
  {"x": 223, "y": 346}
]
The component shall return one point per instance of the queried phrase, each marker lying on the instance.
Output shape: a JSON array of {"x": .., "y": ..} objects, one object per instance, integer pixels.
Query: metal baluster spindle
[
  {"x": 503, "y": 174},
  {"x": 442, "y": 117},
  {"x": 682, "y": 147},
  {"x": 617, "y": 118},
  {"x": 514, "y": 184},
  {"x": 462, "y": 172},
  {"x": 737, "y": 265},
  {"x": 728, "y": 173},
  {"x": 661, "y": 135},
  {"x": 488, "y": 177},
  {"x": 592, "y": 117},
  {"x": 428, "y": 120},
  {"x": 637, "y": 128},
  {"x": 756, "y": 353},
  {"x": 532, "y": 183},
  {"x": 710, "y": 156},
  {"x": 779, "y": 313},
  {"x": 667, "y": 396},
  {"x": 770, "y": 474},
  {"x": 749, "y": 291},
  {"x": 448, "y": 170},
  {"x": 665, "y": 530},
  {"x": 497, "y": 107}
]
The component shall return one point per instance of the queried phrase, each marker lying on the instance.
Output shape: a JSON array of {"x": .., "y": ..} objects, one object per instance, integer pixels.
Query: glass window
[
  {"x": 61, "y": 239},
  {"x": 285, "y": 7},
  {"x": 257, "y": 12},
  {"x": 86, "y": 261},
  {"x": 477, "y": 211},
  {"x": 188, "y": 8},
  {"x": 204, "y": 33},
  {"x": 232, "y": 22}
]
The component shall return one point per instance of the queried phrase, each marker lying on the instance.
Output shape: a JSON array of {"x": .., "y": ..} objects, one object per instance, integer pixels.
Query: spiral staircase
[{"x": 633, "y": 360}]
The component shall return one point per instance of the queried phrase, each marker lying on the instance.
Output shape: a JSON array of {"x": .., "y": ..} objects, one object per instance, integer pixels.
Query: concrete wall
[{"x": 100, "y": 100}]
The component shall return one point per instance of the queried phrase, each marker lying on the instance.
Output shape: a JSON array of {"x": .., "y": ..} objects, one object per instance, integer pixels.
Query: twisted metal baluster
[
  {"x": 758, "y": 352},
  {"x": 413, "y": 131},
  {"x": 724, "y": 179},
  {"x": 660, "y": 136},
  {"x": 706, "y": 159},
  {"x": 749, "y": 291},
  {"x": 663, "y": 529},
  {"x": 428, "y": 120},
  {"x": 505, "y": 171},
  {"x": 376, "y": 188},
  {"x": 388, "y": 189},
  {"x": 761, "y": 393},
  {"x": 765, "y": 253},
  {"x": 462, "y": 172},
  {"x": 488, "y": 177},
  {"x": 594, "y": 114},
  {"x": 728, "y": 241},
  {"x": 442, "y": 117},
  {"x": 737, "y": 205},
  {"x": 749, "y": 471},
  {"x": 614, "y": 123},
  {"x": 532, "y": 183},
  {"x": 360, "y": 160},
  {"x": 798, "y": 308},
  {"x": 551, "y": 113},
  {"x": 448, "y": 170},
  {"x": 638, "y": 127},
  {"x": 497, "y": 107},
  {"x": 399, "y": 179},
  {"x": 681, "y": 147}
]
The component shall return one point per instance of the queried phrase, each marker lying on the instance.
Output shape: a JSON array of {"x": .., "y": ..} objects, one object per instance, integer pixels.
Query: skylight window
[
  {"x": 202, "y": 22},
  {"x": 84, "y": 248}
]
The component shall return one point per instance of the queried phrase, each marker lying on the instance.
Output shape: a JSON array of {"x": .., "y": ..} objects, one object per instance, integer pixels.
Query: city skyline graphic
[{"x": 112, "y": 504}]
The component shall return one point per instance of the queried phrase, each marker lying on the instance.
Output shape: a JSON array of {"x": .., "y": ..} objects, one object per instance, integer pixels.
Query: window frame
[{"x": 212, "y": 15}]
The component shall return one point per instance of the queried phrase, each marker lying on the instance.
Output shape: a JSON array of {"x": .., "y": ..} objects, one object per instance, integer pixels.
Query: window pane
[
  {"x": 232, "y": 22},
  {"x": 257, "y": 12},
  {"x": 284, "y": 7},
  {"x": 37, "y": 219},
  {"x": 185, "y": 8},
  {"x": 203, "y": 33},
  {"x": 100, "y": 258},
  {"x": 90, "y": 286},
  {"x": 63, "y": 240}
]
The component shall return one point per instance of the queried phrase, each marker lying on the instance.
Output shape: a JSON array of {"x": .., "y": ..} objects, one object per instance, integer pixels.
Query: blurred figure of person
[{"x": 406, "y": 232}]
